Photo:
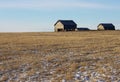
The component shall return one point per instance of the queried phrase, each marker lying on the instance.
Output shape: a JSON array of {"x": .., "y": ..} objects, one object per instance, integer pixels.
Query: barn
[
  {"x": 106, "y": 26},
  {"x": 65, "y": 25}
]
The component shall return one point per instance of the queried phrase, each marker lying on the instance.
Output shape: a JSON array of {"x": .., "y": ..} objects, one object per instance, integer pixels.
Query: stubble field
[{"x": 86, "y": 56}]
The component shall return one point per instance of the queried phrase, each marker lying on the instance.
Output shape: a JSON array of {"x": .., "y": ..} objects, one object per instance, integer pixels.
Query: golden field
[{"x": 85, "y": 56}]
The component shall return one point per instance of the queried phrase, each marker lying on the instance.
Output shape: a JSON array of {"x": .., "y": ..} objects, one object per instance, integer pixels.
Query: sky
[{"x": 41, "y": 15}]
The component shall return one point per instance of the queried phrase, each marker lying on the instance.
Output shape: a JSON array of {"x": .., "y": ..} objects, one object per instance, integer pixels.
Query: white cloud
[{"x": 53, "y": 4}]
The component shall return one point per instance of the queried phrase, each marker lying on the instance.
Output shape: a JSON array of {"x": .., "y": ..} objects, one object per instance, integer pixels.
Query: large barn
[
  {"x": 65, "y": 25},
  {"x": 106, "y": 26}
]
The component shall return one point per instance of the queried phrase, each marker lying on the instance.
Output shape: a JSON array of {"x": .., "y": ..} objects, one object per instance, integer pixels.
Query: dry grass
[{"x": 59, "y": 55}]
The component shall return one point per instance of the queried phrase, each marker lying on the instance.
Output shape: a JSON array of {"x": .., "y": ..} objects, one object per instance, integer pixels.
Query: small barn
[
  {"x": 83, "y": 29},
  {"x": 65, "y": 25},
  {"x": 106, "y": 26}
]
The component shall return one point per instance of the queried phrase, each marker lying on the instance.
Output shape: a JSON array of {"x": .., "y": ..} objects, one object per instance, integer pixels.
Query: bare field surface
[{"x": 89, "y": 56}]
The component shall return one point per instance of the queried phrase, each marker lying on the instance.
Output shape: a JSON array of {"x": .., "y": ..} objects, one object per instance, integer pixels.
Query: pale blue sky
[{"x": 40, "y": 15}]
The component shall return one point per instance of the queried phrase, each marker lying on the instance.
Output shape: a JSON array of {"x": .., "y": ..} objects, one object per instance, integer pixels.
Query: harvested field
[{"x": 85, "y": 56}]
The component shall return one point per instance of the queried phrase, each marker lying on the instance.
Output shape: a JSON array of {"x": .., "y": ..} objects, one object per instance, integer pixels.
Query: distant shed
[
  {"x": 83, "y": 29},
  {"x": 65, "y": 25},
  {"x": 106, "y": 26}
]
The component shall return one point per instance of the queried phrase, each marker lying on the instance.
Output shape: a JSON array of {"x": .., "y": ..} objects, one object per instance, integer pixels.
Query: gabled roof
[
  {"x": 107, "y": 25},
  {"x": 66, "y": 22}
]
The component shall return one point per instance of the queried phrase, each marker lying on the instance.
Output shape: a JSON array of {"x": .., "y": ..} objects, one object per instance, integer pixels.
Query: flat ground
[{"x": 60, "y": 57}]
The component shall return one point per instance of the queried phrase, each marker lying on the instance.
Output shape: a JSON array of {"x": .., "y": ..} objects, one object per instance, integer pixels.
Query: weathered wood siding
[
  {"x": 100, "y": 27},
  {"x": 59, "y": 25}
]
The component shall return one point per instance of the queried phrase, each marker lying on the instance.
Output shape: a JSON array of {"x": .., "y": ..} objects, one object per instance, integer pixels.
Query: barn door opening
[{"x": 60, "y": 30}]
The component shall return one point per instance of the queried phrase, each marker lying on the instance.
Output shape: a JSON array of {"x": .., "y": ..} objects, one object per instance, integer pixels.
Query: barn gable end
[{"x": 59, "y": 26}]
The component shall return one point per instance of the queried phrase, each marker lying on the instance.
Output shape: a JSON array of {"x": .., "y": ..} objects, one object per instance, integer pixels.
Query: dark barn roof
[
  {"x": 66, "y": 22},
  {"x": 108, "y": 26}
]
